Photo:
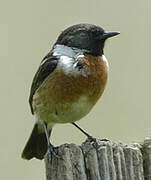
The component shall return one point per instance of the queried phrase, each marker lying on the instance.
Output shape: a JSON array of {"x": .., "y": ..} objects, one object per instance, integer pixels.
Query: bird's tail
[{"x": 36, "y": 145}]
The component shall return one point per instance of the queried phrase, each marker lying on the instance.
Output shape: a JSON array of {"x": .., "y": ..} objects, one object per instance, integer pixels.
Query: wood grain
[{"x": 103, "y": 160}]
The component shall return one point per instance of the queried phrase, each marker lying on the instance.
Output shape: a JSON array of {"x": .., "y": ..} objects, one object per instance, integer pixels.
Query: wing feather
[{"x": 46, "y": 67}]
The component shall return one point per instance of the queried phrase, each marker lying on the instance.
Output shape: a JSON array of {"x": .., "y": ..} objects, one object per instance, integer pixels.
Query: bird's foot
[
  {"x": 105, "y": 140},
  {"x": 92, "y": 139},
  {"x": 53, "y": 151},
  {"x": 95, "y": 141}
]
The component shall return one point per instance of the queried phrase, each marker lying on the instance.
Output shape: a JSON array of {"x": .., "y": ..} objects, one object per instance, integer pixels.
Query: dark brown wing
[{"x": 47, "y": 66}]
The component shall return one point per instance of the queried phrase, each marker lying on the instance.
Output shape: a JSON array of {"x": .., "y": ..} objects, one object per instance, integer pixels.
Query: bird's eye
[{"x": 98, "y": 33}]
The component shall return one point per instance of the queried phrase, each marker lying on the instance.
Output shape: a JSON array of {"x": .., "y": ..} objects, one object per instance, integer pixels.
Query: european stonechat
[{"x": 69, "y": 81}]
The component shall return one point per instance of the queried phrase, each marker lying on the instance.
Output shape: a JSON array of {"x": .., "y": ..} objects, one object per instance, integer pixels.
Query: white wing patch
[
  {"x": 66, "y": 63},
  {"x": 69, "y": 66},
  {"x": 68, "y": 60}
]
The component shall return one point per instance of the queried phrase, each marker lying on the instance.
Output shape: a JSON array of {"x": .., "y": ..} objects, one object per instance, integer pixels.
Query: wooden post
[{"x": 104, "y": 160}]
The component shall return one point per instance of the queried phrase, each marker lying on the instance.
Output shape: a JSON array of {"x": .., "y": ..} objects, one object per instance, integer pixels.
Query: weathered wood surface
[{"x": 105, "y": 160}]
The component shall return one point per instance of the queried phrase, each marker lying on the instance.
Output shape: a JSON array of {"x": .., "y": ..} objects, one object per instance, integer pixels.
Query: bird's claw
[{"x": 53, "y": 151}]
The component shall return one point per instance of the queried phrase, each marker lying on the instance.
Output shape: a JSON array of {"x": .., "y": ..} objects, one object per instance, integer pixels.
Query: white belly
[{"x": 64, "y": 113}]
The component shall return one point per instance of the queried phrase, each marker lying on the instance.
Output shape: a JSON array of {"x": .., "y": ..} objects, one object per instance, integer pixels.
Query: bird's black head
[{"x": 88, "y": 37}]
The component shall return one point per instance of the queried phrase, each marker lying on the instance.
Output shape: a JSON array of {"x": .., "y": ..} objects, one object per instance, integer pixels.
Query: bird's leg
[
  {"x": 51, "y": 148},
  {"x": 91, "y": 138}
]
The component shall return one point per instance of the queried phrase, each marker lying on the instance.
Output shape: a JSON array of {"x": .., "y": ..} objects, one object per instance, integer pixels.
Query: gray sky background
[{"x": 29, "y": 29}]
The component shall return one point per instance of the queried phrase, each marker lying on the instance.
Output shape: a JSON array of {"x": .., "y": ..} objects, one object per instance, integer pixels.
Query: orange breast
[
  {"x": 68, "y": 88},
  {"x": 60, "y": 91}
]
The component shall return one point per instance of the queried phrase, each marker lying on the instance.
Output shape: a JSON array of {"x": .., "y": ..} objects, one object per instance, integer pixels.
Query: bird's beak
[{"x": 107, "y": 35}]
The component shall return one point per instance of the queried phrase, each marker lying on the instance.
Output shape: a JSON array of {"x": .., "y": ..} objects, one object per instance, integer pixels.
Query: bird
[{"x": 69, "y": 81}]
